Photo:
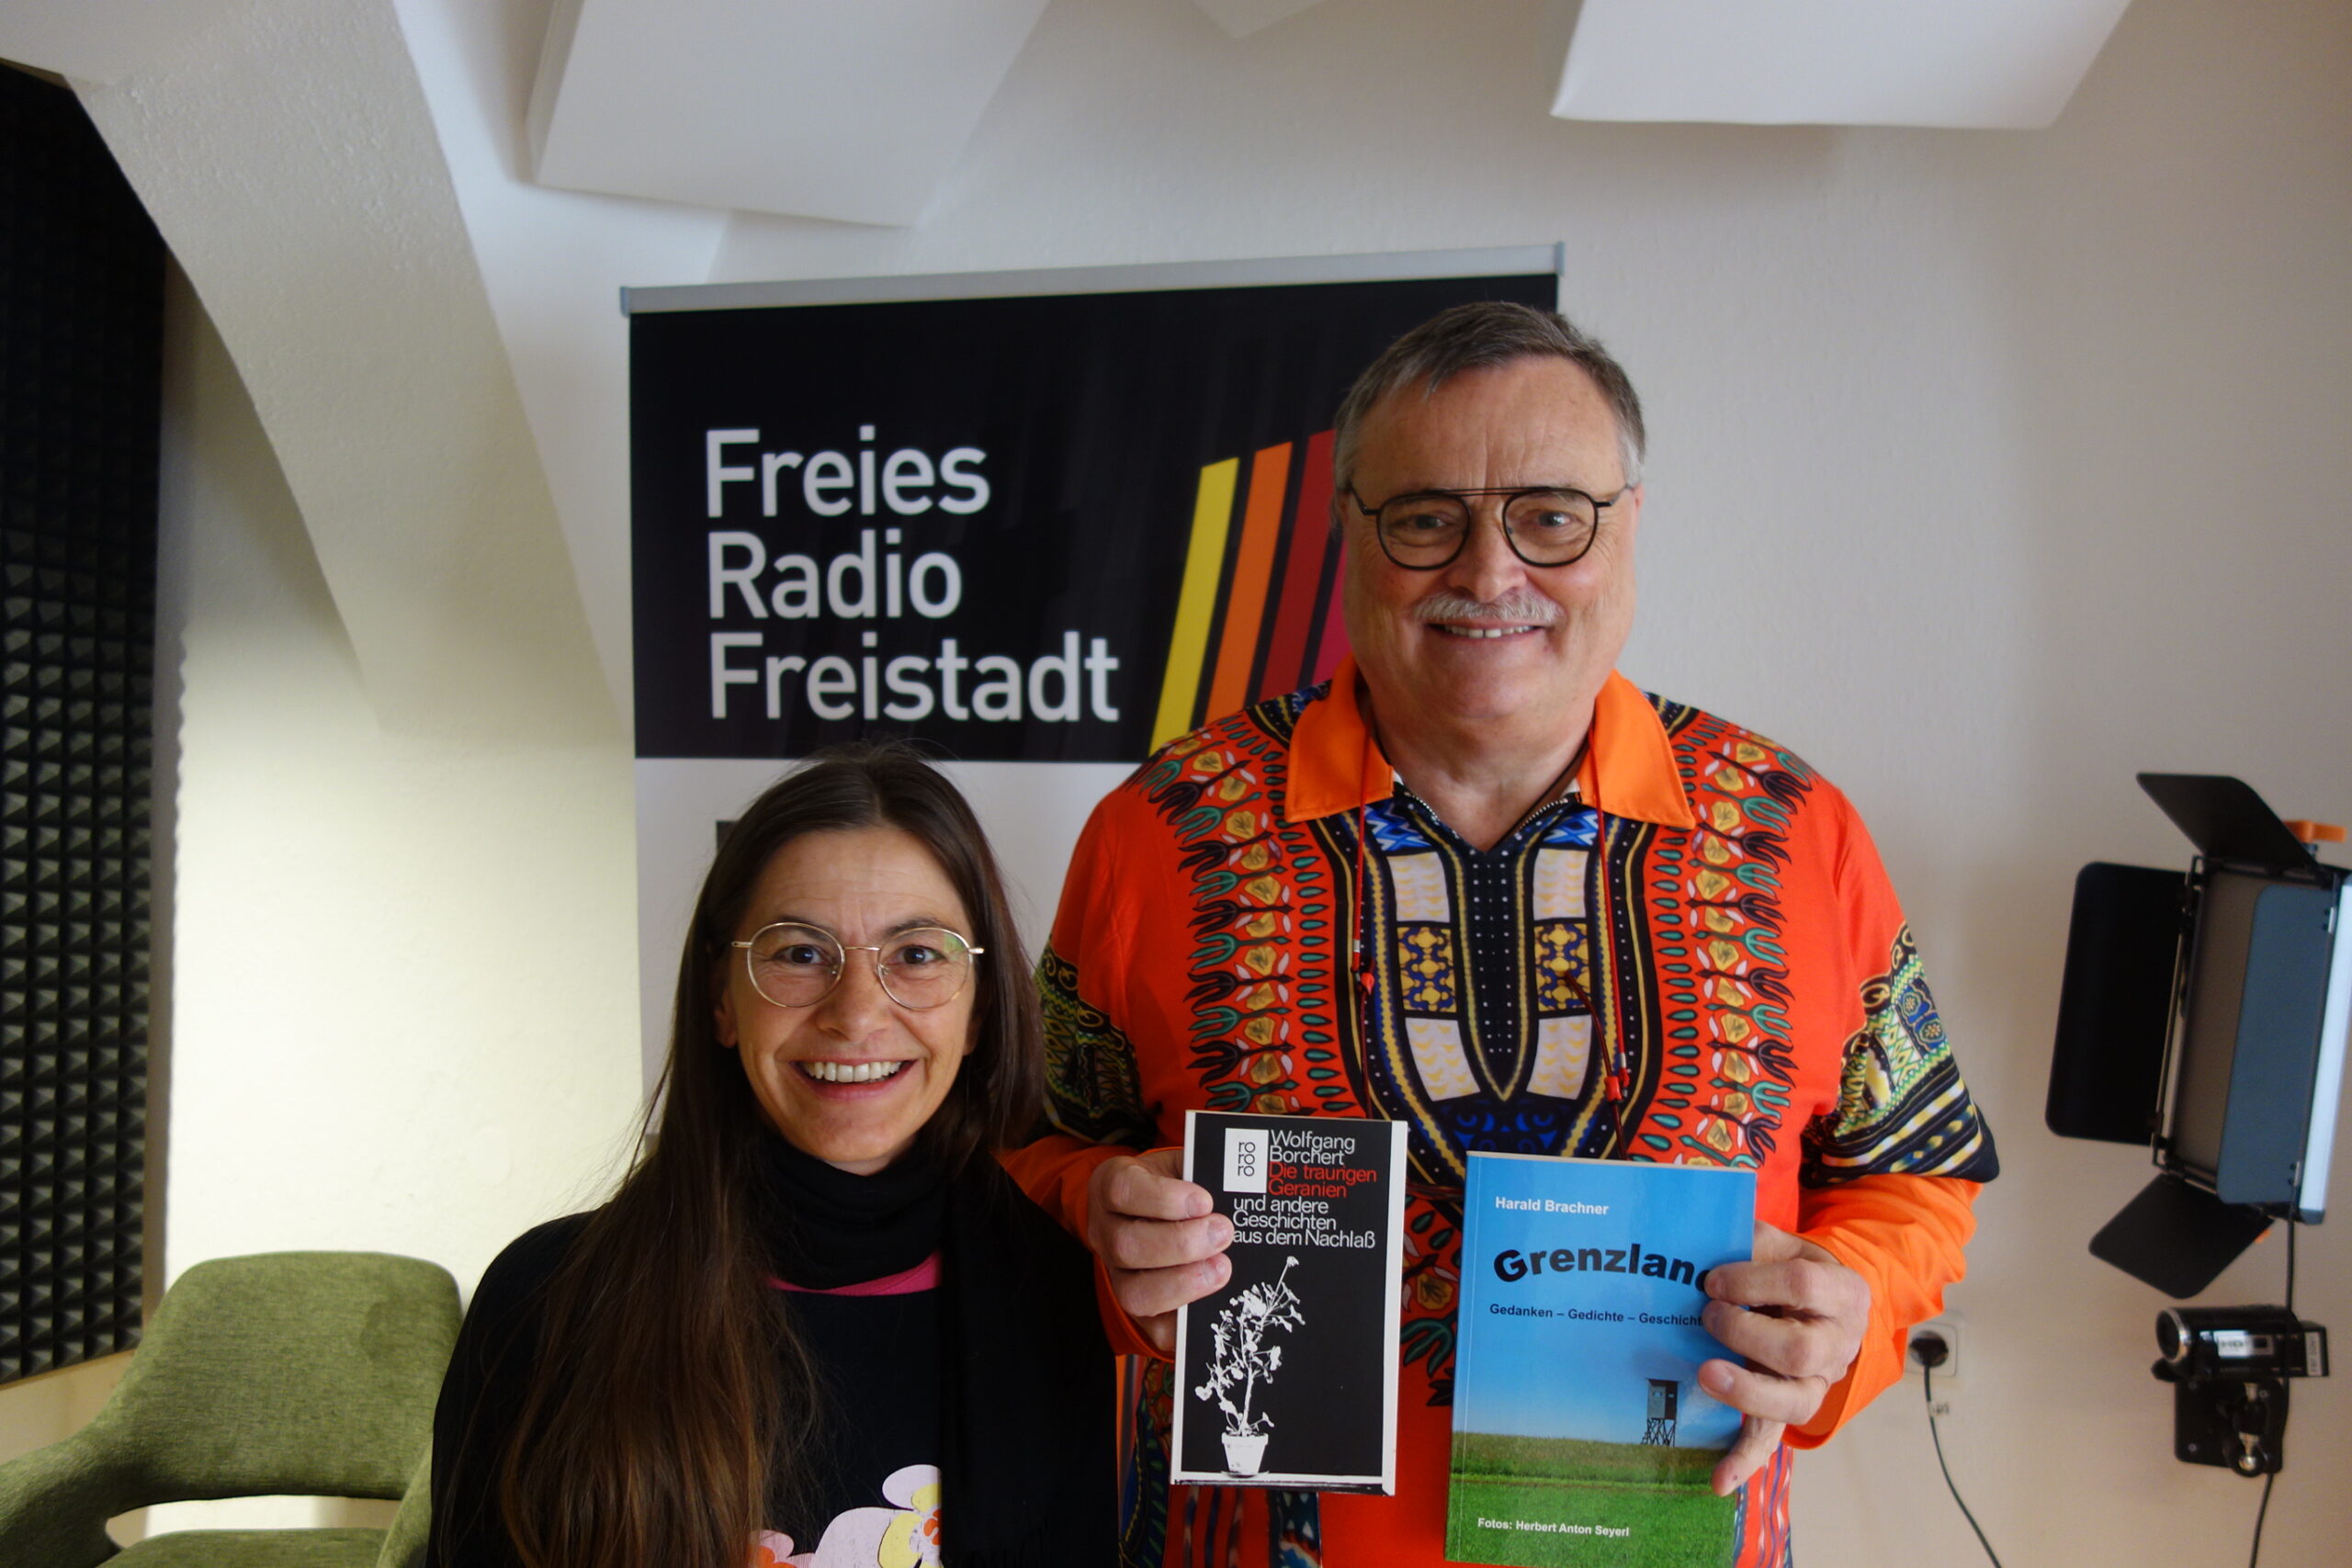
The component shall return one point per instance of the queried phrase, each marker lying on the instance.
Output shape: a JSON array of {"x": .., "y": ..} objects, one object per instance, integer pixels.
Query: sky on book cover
[{"x": 1528, "y": 1317}]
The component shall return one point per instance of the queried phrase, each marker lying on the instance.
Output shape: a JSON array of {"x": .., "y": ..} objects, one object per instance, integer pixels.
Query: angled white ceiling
[
  {"x": 103, "y": 41},
  {"x": 1991, "y": 63},
  {"x": 816, "y": 107},
  {"x": 290, "y": 162},
  {"x": 1243, "y": 17}
]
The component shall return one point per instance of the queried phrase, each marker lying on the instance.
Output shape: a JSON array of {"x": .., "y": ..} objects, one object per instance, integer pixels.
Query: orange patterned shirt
[{"x": 1693, "y": 956}]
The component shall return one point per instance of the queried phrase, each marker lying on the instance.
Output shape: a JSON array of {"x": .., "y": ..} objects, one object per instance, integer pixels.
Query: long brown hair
[{"x": 670, "y": 1390}]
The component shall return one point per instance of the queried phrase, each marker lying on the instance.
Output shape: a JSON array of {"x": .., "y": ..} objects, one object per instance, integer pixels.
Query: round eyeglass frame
[
  {"x": 1509, "y": 494},
  {"x": 881, "y": 970}
]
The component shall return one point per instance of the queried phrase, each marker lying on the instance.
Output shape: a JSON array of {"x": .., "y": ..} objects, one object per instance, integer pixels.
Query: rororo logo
[{"x": 1245, "y": 1159}]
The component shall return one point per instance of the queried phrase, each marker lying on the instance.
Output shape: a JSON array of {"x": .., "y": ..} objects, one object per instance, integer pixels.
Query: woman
[{"x": 816, "y": 1324}]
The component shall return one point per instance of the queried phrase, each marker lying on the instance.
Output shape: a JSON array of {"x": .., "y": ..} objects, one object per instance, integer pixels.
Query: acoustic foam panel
[{"x": 81, "y": 297}]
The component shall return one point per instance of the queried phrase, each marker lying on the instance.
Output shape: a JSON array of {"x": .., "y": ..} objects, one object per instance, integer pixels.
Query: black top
[
  {"x": 994, "y": 1387},
  {"x": 878, "y": 1359}
]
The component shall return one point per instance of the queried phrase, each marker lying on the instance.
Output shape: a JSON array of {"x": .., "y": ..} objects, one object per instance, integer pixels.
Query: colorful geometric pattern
[
  {"x": 1901, "y": 1105},
  {"x": 1425, "y": 969},
  {"x": 1091, "y": 1062},
  {"x": 1714, "y": 902}
]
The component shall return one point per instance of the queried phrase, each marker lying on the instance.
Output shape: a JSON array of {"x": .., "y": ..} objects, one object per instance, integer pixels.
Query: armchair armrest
[{"x": 54, "y": 1504}]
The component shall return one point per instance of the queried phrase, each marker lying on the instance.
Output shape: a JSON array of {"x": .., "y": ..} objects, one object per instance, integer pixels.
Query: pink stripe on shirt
[{"x": 923, "y": 1276}]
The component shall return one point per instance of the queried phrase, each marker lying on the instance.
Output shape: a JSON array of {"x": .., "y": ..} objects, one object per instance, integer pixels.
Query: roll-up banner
[{"x": 1042, "y": 522}]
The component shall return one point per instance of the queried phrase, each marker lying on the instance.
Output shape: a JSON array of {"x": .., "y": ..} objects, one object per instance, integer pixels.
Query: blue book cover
[{"x": 1580, "y": 1433}]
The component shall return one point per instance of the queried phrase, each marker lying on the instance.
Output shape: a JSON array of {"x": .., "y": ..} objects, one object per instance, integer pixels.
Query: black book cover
[{"x": 1287, "y": 1376}]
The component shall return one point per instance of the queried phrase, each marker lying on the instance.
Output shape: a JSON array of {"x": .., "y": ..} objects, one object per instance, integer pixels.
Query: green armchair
[{"x": 307, "y": 1373}]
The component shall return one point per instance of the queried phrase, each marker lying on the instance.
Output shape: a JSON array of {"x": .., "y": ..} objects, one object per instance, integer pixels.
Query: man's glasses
[
  {"x": 1547, "y": 526},
  {"x": 797, "y": 965}
]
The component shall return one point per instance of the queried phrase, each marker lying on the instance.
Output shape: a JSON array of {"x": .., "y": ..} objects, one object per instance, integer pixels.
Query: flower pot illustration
[{"x": 1241, "y": 1362}]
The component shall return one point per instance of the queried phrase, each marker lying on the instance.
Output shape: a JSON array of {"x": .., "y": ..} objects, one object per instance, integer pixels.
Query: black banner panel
[{"x": 1054, "y": 529}]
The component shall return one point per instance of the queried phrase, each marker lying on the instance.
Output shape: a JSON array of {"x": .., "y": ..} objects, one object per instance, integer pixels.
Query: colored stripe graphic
[
  {"x": 1303, "y": 576},
  {"x": 1332, "y": 646},
  {"x": 1253, "y": 569},
  {"x": 1196, "y": 600},
  {"x": 1276, "y": 614}
]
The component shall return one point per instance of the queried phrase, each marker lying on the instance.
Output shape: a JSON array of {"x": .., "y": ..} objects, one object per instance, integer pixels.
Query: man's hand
[
  {"x": 1157, "y": 1236},
  {"x": 1803, "y": 1327}
]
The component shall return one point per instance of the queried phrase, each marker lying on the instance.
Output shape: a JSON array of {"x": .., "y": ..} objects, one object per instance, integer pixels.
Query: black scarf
[
  {"x": 827, "y": 1228},
  {"x": 1027, "y": 1472}
]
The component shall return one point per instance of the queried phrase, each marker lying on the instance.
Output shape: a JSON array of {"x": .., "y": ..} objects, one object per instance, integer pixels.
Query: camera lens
[{"x": 2172, "y": 1337}]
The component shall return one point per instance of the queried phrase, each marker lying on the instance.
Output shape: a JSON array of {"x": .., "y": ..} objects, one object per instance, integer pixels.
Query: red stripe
[
  {"x": 1333, "y": 645},
  {"x": 1310, "y": 536}
]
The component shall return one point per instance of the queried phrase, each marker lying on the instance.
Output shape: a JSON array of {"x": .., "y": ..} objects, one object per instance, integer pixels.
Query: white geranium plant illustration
[{"x": 1241, "y": 1361}]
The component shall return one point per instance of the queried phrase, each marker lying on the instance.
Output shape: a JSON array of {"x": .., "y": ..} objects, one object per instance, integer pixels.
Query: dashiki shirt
[{"x": 1693, "y": 956}]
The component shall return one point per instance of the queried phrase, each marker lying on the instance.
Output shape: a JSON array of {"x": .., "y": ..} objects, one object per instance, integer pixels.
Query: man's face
[{"x": 1489, "y": 637}]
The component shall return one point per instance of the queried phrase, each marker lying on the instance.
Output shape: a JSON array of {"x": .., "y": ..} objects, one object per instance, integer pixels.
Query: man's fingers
[
  {"x": 1796, "y": 1310},
  {"x": 1748, "y": 1453},
  {"x": 1148, "y": 1187},
  {"x": 1157, "y": 1236},
  {"x": 1160, "y": 1332},
  {"x": 1148, "y": 1293},
  {"x": 1126, "y": 1243},
  {"x": 1798, "y": 1284},
  {"x": 1765, "y": 1395},
  {"x": 1793, "y": 1347}
]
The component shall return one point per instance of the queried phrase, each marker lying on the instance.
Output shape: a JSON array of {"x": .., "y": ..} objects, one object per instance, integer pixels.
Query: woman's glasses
[{"x": 797, "y": 966}]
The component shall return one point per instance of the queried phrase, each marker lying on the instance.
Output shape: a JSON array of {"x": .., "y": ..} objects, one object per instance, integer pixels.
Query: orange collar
[{"x": 1628, "y": 768}]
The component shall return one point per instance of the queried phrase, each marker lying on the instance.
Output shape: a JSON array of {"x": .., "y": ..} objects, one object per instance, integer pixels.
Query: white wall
[
  {"x": 1988, "y": 469},
  {"x": 403, "y": 1002},
  {"x": 404, "y": 987}
]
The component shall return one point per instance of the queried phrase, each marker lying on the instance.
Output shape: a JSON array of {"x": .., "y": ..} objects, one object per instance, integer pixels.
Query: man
[{"x": 1482, "y": 884}]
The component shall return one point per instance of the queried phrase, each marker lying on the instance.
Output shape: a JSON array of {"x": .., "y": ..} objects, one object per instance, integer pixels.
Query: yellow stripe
[{"x": 1204, "y": 562}]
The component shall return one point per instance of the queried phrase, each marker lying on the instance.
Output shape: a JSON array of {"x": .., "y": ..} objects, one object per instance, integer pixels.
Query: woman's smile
[{"x": 848, "y": 1073}]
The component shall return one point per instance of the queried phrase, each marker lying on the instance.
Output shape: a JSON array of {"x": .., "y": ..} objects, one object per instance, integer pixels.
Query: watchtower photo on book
[
  {"x": 1287, "y": 1376},
  {"x": 1580, "y": 1434}
]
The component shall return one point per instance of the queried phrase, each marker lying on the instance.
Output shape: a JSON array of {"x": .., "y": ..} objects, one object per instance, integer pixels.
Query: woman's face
[{"x": 864, "y": 886}]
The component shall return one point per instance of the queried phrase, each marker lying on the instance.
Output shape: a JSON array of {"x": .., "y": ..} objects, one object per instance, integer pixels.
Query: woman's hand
[{"x": 1157, "y": 1236}]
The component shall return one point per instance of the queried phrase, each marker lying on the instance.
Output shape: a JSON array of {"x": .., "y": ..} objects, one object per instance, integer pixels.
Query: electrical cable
[
  {"x": 2255, "y": 1555},
  {"x": 1927, "y": 1382},
  {"x": 2262, "y": 1512}
]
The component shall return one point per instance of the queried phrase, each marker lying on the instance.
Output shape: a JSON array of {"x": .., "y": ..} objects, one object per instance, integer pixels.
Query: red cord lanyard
[{"x": 1355, "y": 937}]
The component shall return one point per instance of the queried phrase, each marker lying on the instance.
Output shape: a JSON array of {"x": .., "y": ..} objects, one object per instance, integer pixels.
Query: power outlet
[{"x": 1949, "y": 1328}]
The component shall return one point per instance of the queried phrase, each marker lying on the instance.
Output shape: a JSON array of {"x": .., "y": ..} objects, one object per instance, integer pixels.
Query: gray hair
[{"x": 1480, "y": 337}]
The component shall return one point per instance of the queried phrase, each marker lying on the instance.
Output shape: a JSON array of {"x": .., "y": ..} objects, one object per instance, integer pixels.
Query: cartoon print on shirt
[{"x": 904, "y": 1536}]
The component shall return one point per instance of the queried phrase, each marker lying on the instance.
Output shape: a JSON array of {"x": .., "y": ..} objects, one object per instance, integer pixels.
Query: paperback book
[
  {"x": 1580, "y": 1434},
  {"x": 1287, "y": 1375}
]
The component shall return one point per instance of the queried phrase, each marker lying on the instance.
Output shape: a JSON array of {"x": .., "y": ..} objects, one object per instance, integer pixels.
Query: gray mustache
[{"x": 1521, "y": 606}]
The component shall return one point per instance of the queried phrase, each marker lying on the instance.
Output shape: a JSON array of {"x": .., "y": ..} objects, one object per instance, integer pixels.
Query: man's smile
[{"x": 1453, "y": 630}]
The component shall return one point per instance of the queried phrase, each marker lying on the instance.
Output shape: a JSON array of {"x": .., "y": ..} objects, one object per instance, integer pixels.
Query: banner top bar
[{"x": 1493, "y": 261}]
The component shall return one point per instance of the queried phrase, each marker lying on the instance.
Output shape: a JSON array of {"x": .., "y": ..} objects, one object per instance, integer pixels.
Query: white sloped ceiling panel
[
  {"x": 1990, "y": 63},
  {"x": 818, "y": 108}
]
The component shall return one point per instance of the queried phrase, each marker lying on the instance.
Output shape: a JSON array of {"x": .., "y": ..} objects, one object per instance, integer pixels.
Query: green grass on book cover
[{"x": 1568, "y": 1503}]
